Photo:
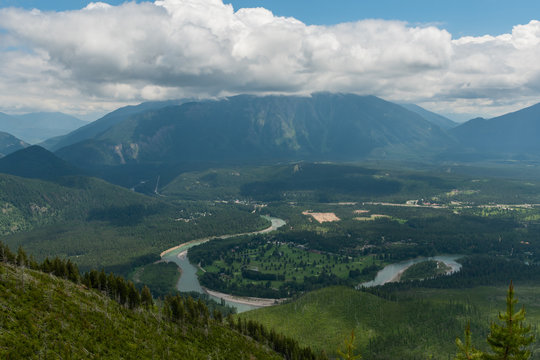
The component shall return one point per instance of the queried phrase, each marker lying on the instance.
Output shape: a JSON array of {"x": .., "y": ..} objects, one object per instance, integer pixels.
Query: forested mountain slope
[
  {"x": 47, "y": 317},
  {"x": 93, "y": 129},
  {"x": 27, "y": 203},
  {"x": 272, "y": 128}
]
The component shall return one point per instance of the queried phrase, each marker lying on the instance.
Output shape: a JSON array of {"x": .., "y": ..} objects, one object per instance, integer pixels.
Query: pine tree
[
  {"x": 348, "y": 354},
  {"x": 511, "y": 339},
  {"x": 146, "y": 297},
  {"x": 22, "y": 259},
  {"x": 466, "y": 350},
  {"x": 134, "y": 297}
]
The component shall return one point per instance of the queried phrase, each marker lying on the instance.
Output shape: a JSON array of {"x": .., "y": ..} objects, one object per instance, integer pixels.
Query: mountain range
[
  {"x": 142, "y": 142},
  {"x": 37, "y": 127},
  {"x": 273, "y": 128}
]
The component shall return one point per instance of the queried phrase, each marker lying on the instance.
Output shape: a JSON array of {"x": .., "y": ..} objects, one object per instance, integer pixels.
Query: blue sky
[
  {"x": 459, "y": 17},
  {"x": 459, "y": 58}
]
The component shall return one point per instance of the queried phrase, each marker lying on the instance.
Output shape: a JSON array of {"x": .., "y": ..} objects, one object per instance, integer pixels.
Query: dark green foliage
[
  {"x": 124, "y": 216},
  {"x": 161, "y": 277},
  {"x": 323, "y": 180}
]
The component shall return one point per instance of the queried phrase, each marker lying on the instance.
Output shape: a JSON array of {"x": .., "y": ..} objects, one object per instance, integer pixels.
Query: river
[
  {"x": 189, "y": 281},
  {"x": 392, "y": 271}
]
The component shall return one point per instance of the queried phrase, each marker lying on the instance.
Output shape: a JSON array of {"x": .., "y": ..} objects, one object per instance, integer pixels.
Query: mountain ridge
[
  {"x": 513, "y": 134},
  {"x": 37, "y": 163},
  {"x": 39, "y": 126},
  {"x": 272, "y": 128},
  {"x": 9, "y": 144},
  {"x": 104, "y": 123}
]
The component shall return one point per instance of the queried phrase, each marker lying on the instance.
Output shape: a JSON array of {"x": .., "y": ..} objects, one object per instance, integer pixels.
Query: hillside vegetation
[
  {"x": 44, "y": 317},
  {"x": 97, "y": 224},
  {"x": 27, "y": 203},
  {"x": 418, "y": 324}
]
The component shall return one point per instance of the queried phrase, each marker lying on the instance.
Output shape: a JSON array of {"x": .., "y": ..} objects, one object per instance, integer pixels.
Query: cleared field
[{"x": 322, "y": 217}]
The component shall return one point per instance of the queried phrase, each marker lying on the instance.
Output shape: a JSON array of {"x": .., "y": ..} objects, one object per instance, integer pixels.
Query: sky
[{"x": 462, "y": 58}]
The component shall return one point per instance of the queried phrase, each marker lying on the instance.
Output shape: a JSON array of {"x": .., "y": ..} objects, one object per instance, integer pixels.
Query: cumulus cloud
[{"x": 102, "y": 56}]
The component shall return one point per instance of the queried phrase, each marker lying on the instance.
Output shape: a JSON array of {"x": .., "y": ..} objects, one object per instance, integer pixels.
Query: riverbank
[
  {"x": 275, "y": 224},
  {"x": 189, "y": 282},
  {"x": 393, "y": 272},
  {"x": 252, "y": 301},
  {"x": 449, "y": 270}
]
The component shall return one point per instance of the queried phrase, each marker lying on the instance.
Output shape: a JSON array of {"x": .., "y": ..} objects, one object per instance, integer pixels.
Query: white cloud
[{"x": 103, "y": 56}]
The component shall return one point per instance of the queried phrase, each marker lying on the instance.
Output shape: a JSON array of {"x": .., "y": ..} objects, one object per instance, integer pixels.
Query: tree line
[{"x": 177, "y": 309}]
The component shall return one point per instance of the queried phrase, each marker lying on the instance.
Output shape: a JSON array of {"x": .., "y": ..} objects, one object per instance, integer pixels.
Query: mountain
[
  {"x": 273, "y": 128},
  {"x": 36, "y": 162},
  {"x": 439, "y": 120},
  {"x": 106, "y": 122},
  {"x": 45, "y": 316},
  {"x": 514, "y": 134},
  {"x": 36, "y": 127},
  {"x": 9, "y": 144}
]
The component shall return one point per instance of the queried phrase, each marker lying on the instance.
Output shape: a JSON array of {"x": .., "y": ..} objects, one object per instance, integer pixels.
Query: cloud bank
[{"x": 105, "y": 56}]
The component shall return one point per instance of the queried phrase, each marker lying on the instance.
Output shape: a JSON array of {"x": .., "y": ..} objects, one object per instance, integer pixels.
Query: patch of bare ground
[{"x": 322, "y": 217}]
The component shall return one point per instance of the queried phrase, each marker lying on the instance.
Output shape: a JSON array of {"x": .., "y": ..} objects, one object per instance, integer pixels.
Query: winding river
[
  {"x": 391, "y": 272},
  {"x": 189, "y": 281}
]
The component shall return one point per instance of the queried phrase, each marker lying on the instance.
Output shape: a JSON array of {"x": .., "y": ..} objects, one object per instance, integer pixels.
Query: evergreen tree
[
  {"x": 466, "y": 350},
  {"x": 348, "y": 354},
  {"x": 72, "y": 272},
  {"x": 134, "y": 298},
  {"x": 22, "y": 259},
  {"x": 146, "y": 297},
  {"x": 511, "y": 339}
]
